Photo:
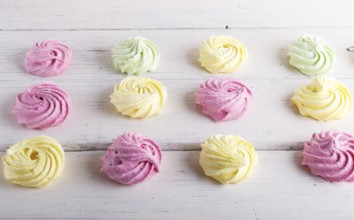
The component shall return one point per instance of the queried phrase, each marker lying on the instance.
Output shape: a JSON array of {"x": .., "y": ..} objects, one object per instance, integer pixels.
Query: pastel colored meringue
[
  {"x": 132, "y": 158},
  {"x": 48, "y": 58},
  {"x": 324, "y": 99},
  {"x": 222, "y": 54},
  {"x": 330, "y": 155},
  {"x": 228, "y": 158},
  {"x": 135, "y": 56},
  {"x": 139, "y": 97},
  {"x": 223, "y": 98},
  {"x": 34, "y": 162},
  {"x": 311, "y": 55},
  {"x": 42, "y": 106}
]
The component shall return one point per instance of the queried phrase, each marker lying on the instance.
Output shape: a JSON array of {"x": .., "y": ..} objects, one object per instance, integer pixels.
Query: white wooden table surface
[{"x": 280, "y": 187}]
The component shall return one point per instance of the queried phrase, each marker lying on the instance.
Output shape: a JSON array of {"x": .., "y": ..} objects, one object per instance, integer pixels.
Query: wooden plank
[
  {"x": 93, "y": 121},
  {"x": 271, "y": 123},
  {"x": 157, "y": 14},
  {"x": 280, "y": 188},
  {"x": 179, "y": 53}
]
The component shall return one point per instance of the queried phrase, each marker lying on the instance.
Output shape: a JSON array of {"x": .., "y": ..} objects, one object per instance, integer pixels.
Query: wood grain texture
[
  {"x": 159, "y": 14},
  {"x": 91, "y": 77},
  {"x": 280, "y": 188}
]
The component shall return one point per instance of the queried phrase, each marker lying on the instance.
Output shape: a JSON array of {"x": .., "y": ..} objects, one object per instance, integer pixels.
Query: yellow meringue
[
  {"x": 222, "y": 54},
  {"x": 139, "y": 97},
  {"x": 34, "y": 162},
  {"x": 227, "y": 158},
  {"x": 324, "y": 99}
]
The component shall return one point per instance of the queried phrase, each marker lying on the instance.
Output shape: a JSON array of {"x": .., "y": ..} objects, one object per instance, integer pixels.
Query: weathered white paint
[
  {"x": 280, "y": 188},
  {"x": 271, "y": 123},
  {"x": 159, "y": 14}
]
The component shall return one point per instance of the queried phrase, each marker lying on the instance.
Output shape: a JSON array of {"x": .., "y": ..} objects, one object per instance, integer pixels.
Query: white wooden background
[{"x": 280, "y": 187}]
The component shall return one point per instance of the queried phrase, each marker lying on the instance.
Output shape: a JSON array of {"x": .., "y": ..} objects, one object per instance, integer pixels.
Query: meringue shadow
[
  {"x": 8, "y": 117},
  {"x": 192, "y": 162},
  {"x": 3, "y": 181},
  {"x": 93, "y": 166},
  {"x": 192, "y": 56},
  {"x": 106, "y": 105},
  {"x": 284, "y": 59},
  {"x": 19, "y": 60},
  {"x": 104, "y": 60},
  {"x": 291, "y": 105},
  {"x": 297, "y": 159},
  {"x": 189, "y": 102}
]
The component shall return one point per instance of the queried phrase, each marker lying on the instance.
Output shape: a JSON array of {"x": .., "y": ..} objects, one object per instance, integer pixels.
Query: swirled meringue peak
[
  {"x": 311, "y": 55},
  {"x": 139, "y": 97},
  {"x": 330, "y": 155},
  {"x": 135, "y": 56},
  {"x": 223, "y": 98},
  {"x": 228, "y": 158},
  {"x": 324, "y": 99},
  {"x": 34, "y": 162},
  {"x": 132, "y": 158},
  {"x": 48, "y": 58},
  {"x": 222, "y": 54},
  {"x": 42, "y": 106}
]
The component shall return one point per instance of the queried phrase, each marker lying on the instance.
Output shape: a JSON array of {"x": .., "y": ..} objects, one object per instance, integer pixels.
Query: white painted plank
[
  {"x": 179, "y": 52},
  {"x": 83, "y": 14},
  {"x": 271, "y": 123},
  {"x": 279, "y": 189}
]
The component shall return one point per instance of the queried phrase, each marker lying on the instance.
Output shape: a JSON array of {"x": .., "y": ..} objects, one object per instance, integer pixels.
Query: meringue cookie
[
  {"x": 222, "y": 54},
  {"x": 324, "y": 99},
  {"x": 34, "y": 162},
  {"x": 139, "y": 97},
  {"x": 330, "y": 155},
  {"x": 135, "y": 56},
  {"x": 311, "y": 55},
  {"x": 132, "y": 158},
  {"x": 227, "y": 158},
  {"x": 223, "y": 99},
  {"x": 42, "y": 106},
  {"x": 48, "y": 58}
]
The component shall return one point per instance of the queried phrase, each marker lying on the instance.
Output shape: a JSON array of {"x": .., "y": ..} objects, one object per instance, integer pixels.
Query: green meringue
[
  {"x": 311, "y": 55},
  {"x": 135, "y": 56}
]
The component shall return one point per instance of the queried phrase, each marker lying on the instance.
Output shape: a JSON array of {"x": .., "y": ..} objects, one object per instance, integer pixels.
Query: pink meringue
[
  {"x": 223, "y": 98},
  {"x": 42, "y": 106},
  {"x": 132, "y": 158},
  {"x": 330, "y": 155},
  {"x": 48, "y": 58}
]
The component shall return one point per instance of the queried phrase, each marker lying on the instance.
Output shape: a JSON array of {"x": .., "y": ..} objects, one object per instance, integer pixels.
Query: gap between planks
[
  {"x": 225, "y": 27},
  {"x": 175, "y": 147}
]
